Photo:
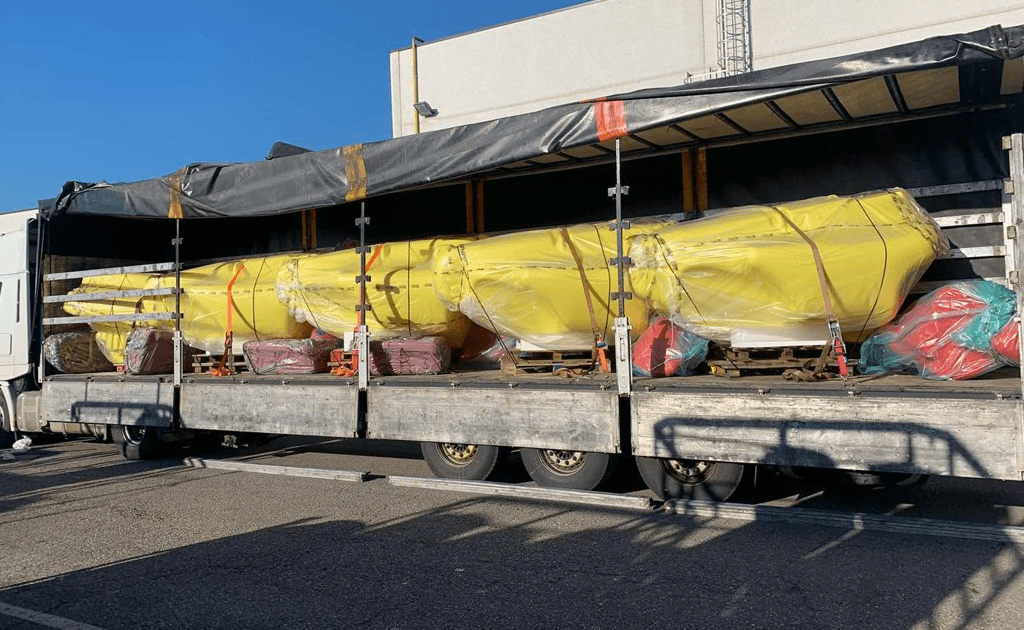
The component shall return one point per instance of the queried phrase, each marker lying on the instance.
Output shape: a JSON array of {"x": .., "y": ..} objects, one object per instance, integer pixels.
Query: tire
[
  {"x": 690, "y": 479},
  {"x": 137, "y": 442},
  {"x": 575, "y": 470},
  {"x": 881, "y": 479},
  {"x": 6, "y": 424},
  {"x": 462, "y": 461}
]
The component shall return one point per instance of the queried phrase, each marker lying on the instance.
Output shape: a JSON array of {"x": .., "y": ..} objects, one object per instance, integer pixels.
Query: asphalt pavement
[{"x": 89, "y": 540}]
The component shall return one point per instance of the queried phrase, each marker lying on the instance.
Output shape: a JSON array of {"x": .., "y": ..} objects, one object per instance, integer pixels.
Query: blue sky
[{"x": 123, "y": 91}]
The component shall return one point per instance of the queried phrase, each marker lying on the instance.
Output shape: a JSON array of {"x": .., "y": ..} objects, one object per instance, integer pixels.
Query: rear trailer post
[
  {"x": 178, "y": 351},
  {"x": 362, "y": 335},
  {"x": 1013, "y": 224},
  {"x": 623, "y": 369}
]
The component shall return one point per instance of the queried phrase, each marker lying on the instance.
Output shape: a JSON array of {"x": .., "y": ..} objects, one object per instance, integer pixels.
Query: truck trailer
[{"x": 940, "y": 118}]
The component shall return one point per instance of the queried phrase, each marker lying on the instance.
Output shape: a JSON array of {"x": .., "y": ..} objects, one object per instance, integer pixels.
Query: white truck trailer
[{"x": 940, "y": 118}]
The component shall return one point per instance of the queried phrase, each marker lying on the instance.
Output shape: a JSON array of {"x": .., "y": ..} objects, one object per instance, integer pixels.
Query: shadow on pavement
[{"x": 453, "y": 567}]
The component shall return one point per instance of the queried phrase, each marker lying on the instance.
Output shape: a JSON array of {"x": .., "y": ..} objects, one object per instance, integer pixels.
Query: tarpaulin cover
[
  {"x": 318, "y": 179},
  {"x": 321, "y": 289},
  {"x": 528, "y": 285},
  {"x": 256, "y": 311},
  {"x": 948, "y": 334},
  {"x": 751, "y": 272}
]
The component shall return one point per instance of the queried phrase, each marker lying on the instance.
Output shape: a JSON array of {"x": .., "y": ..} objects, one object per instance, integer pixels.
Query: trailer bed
[{"x": 895, "y": 423}]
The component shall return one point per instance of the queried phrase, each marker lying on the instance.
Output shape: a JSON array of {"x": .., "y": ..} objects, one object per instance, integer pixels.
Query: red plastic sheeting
[
  {"x": 429, "y": 355},
  {"x": 290, "y": 356},
  {"x": 665, "y": 349},
  {"x": 950, "y": 334}
]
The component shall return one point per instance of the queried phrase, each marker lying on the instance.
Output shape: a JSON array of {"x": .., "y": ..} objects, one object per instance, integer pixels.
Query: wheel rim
[
  {"x": 133, "y": 435},
  {"x": 563, "y": 462},
  {"x": 690, "y": 472},
  {"x": 458, "y": 454}
]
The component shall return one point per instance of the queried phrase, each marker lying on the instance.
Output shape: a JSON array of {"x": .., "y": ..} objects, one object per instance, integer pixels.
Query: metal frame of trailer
[{"x": 894, "y": 423}]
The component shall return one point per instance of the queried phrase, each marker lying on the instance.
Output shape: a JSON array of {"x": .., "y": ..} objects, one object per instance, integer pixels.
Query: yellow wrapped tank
[
  {"x": 747, "y": 277},
  {"x": 321, "y": 289},
  {"x": 256, "y": 311},
  {"x": 528, "y": 285}
]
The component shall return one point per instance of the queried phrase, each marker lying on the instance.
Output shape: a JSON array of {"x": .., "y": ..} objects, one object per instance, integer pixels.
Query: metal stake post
[
  {"x": 623, "y": 367},
  {"x": 178, "y": 354},
  {"x": 362, "y": 337},
  {"x": 1013, "y": 232}
]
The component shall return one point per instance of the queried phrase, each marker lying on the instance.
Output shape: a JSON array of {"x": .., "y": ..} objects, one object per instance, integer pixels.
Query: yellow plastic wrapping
[
  {"x": 321, "y": 289},
  {"x": 256, "y": 313},
  {"x": 745, "y": 276},
  {"x": 111, "y": 336},
  {"x": 528, "y": 285}
]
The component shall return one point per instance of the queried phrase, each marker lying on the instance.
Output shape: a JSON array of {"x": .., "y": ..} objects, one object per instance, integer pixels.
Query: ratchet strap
[
  {"x": 350, "y": 368},
  {"x": 599, "y": 344},
  {"x": 836, "y": 343},
  {"x": 224, "y": 369}
]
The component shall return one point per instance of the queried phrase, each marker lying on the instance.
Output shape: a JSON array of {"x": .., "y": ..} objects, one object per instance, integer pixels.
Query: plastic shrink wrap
[
  {"x": 1006, "y": 343},
  {"x": 390, "y": 357},
  {"x": 956, "y": 332},
  {"x": 75, "y": 352},
  {"x": 321, "y": 289},
  {"x": 528, "y": 285},
  {"x": 111, "y": 337},
  {"x": 748, "y": 274},
  {"x": 256, "y": 312},
  {"x": 290, "y": 356},
  {"x": 665, "y": 349},
  {"x": 151, "y": 351}
]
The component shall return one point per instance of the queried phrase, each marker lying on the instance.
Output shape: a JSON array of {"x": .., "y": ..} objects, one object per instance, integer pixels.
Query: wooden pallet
[
  {"x": 203, "y": 363},
  {"x": 734, "y": 362},
  {"x": 547, "y": 362}
]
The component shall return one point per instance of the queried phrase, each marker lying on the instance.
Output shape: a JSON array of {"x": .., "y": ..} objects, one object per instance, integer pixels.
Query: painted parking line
[
  {"x": 43, "y": 619},
  {"x": 580, "y": 497},
  {"x": 291, "y": 471},
  {"x": 851, "y": 521}
]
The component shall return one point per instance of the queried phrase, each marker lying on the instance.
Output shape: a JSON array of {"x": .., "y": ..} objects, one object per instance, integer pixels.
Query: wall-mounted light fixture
[{"x": 424, "y": 109}]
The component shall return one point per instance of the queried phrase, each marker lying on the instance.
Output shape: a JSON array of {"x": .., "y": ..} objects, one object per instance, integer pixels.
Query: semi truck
[{"x": 940, "y": 118}]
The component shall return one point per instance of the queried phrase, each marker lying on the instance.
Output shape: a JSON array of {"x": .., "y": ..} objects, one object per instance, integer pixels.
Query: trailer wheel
[
  {"x": 576, "y": 470},
  {"x": 461, "y": 461},
  {"x": 137, "y": 442},
  {"x": 703, "y": 480}
]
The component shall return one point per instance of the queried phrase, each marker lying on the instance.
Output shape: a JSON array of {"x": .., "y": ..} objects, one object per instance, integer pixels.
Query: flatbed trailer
[
  {"x": 897, "y": 423},
  {"x": 957, "y": 147}
]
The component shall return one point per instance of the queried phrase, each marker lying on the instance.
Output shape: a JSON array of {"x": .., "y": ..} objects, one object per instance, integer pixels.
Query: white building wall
[
  {"x": 582, "y": 52},
  {"x": 612, "y": 46},
  {"x": 789, "y": 31}
]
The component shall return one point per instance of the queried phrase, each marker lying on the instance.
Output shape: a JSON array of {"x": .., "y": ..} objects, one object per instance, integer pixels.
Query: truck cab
[{"x": 16, "y": 229}]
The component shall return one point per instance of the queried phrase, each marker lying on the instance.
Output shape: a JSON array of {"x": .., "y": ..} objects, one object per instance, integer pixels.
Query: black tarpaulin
[{"x": 926, "y": 78}]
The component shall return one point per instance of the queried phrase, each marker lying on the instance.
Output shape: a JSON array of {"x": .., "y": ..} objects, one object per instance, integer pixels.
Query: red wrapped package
[
  {"x": 665, "y": 349},
  {"x": 948, "y": 334},
  {"x": 290, "y": 356},
  {"x": 429, "y": 355},
  {"x": 151, "y": 351},
  {"x": 1006, "y": 343}
]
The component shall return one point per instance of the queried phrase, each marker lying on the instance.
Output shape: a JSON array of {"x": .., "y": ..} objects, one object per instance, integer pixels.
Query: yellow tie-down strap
[
  {"x": 174, "y": 202},
  {"x": 355, "y": 172}
]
